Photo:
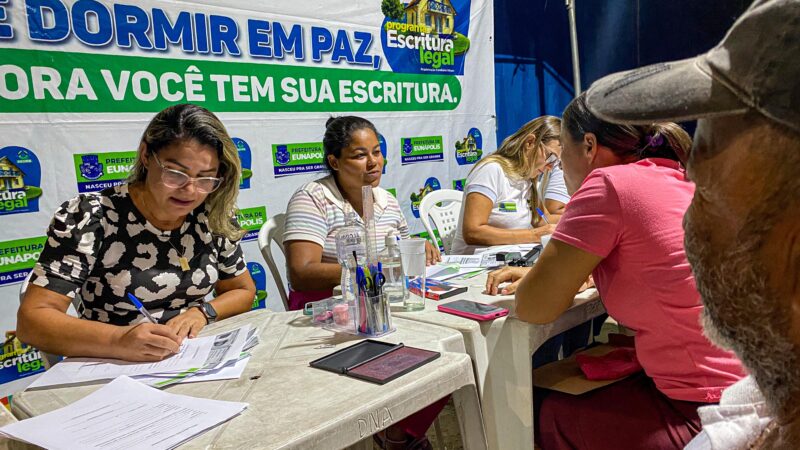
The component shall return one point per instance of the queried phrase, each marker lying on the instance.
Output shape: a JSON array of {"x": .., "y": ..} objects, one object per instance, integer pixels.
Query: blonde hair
[
  {"x": 191, "y": 122},
  {"x": 511, "y": 155}
]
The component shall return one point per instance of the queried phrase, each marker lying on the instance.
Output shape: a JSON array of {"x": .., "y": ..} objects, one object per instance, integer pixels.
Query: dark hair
[
  {"x": 339, "y": 132},
  {"x": 182, "y": 123},
  {"x": 658, "y": 140}
]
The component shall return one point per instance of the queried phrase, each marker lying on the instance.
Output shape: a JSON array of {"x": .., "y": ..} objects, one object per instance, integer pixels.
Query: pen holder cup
[{"x": 373, "y": 316}]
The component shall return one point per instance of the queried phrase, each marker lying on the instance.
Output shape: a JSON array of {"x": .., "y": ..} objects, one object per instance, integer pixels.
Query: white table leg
[
  {"x": 508, "y": 388},
  {"x": 470, "y": 422}
]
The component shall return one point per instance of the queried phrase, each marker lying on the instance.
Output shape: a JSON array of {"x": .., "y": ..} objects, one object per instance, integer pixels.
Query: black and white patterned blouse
[{"x": 101, "y": 247}]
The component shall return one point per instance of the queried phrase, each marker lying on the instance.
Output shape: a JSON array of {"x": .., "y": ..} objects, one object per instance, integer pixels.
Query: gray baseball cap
[{"x": 757, "y": 65}]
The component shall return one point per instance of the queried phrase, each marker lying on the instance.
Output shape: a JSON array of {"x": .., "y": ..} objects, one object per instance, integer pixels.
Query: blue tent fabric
[{"x": 533, "y": 68}]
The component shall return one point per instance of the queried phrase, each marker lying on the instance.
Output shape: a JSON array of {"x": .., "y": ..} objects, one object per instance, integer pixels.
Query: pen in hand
[
  {"x": 541, "y": 214},
  {"x": 141, "y": 308}
]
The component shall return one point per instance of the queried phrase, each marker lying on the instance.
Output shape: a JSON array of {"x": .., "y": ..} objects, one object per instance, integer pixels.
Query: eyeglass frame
[
  {"x": 552, "y": 161},
  {"x": 189, "y": 179}
]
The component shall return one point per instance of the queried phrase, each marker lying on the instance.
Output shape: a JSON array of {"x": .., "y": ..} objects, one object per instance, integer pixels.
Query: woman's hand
[
  {"x": 588, "y": 284},
  {"x": 146, "y": 342},
  {"x": 188, "y": 324},
  {"x": 432, "y": 255},
  {"x": 512, "y": 274}
]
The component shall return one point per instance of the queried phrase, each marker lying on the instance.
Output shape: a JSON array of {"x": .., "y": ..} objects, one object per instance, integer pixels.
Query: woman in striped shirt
[{"x": 315, "y": 213}]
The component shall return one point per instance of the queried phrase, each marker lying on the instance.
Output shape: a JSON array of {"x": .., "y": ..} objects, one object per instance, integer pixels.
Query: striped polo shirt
[{"x": 316, "y": 212}]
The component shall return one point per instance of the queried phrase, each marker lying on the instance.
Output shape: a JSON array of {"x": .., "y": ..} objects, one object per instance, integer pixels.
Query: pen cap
[{"x": 135, "y": 301}]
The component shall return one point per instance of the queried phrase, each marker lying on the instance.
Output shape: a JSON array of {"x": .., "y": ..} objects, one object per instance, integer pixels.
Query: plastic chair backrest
[
  {"x": 444, "y": 216},
  {"x": 272, "y": 231}
]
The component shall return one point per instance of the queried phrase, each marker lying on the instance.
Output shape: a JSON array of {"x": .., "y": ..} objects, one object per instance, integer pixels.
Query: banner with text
[{"x": 81, "y": 79}]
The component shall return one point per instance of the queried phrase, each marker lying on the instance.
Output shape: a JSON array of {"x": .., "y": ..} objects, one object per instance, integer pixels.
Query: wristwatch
[{"x": 208, "y": 311}]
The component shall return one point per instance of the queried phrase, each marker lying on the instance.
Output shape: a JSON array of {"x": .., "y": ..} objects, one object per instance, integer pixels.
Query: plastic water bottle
[
  {"x": 351, "y": 252},
  {"x": 395, "y": 287}
]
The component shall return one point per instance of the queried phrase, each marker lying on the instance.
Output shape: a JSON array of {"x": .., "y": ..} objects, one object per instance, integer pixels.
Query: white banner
[{"x": 80, "y": 80}]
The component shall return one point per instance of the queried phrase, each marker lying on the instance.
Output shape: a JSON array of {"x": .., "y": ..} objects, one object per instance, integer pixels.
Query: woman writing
[
  {"x": 623, "y": 225},
  {"x": 166, "y": 236},
  {"x": 504, "y": 190}
]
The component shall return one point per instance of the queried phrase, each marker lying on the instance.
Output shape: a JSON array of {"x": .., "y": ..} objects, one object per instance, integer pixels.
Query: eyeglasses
[
  {"x": 553, "y": 161},
  {"x": 176, "y": 179}
]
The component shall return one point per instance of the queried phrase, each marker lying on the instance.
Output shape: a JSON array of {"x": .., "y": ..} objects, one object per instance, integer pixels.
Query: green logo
[
  {"x": 421, "y": 149},
  {"x": 18, "y": 257},
  {"x": 292, "y": 159},
  {"x": 97, "y": 171},
  {"x": 251, "y": 220}
]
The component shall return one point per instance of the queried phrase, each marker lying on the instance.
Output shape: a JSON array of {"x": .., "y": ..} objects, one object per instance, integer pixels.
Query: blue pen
[
  {"x": 140, "y": 307},
  {"x": 541, "y": 214}
]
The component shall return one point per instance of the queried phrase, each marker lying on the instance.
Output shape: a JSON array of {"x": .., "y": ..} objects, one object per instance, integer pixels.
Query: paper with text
[{"x": 124, "y": 414}]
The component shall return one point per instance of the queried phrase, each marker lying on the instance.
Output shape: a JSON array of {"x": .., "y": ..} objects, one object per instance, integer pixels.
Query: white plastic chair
[
  {"x": 445, "y": 216},
  {"x": 272, "y": 231}
]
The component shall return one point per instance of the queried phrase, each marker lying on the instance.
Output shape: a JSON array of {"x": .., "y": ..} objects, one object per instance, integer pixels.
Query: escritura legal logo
[
  {"x": 20, "y": 178},
  {"x": 246, "y": 157},
  {"x": 426, "y": 36},
  {"x": 431, "y": 184},
  {"x": 469, "y": 150},
  {"x": 260, "y": 279}
]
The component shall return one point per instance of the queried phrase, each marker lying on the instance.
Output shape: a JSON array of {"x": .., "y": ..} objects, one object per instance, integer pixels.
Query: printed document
[
  {"x": 124, "y": 414},
  {"x": 202, "y": 352}
]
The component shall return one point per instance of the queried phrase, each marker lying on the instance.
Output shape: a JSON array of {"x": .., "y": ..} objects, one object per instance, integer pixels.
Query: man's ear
[{"x": 333, "y": 162}]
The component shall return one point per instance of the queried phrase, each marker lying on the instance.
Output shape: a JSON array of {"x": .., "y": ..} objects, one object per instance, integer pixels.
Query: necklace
[{"x": 184, "y": 262}]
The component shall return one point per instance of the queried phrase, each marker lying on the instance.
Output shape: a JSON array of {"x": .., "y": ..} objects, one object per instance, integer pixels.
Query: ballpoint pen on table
[
  {"x": 541, "y": 214},
  {"x": 141, "y": 308}
]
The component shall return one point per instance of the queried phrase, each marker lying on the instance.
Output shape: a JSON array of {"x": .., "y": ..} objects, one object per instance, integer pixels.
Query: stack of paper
[
  {"x": 452, "y": 271},
  {"x": 222, "y": 356},
  {"x": 124, "y": 414}
]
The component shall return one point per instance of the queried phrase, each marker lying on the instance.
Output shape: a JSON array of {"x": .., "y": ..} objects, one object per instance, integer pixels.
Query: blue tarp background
[{"x": 533, "y": 68}]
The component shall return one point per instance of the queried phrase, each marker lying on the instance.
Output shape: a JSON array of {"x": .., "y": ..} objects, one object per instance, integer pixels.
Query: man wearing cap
[{"x": 743, "y": 226}]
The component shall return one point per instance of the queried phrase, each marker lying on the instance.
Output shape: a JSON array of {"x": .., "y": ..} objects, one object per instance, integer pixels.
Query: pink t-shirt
[{"x": 631, "y": 215}]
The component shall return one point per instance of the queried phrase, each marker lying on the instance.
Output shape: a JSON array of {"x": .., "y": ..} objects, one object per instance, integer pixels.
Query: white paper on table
[
  {"x": 227, "y": 372},
  {"x": 448, "y": 272},
  {"x": 124, "y": 414},
  {"x": 464, "y": 261},
  {"x": 202, "y": 352}
]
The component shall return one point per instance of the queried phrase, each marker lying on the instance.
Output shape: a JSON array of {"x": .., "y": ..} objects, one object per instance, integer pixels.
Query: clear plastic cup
[{"x": 412, "y": 254}]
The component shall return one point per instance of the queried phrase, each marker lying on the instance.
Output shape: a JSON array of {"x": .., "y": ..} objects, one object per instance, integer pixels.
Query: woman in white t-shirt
[{"x": 504, "y": 189}]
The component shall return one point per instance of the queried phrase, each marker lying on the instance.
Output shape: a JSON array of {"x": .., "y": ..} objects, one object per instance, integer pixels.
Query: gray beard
[{"x": 742, "y": 315}]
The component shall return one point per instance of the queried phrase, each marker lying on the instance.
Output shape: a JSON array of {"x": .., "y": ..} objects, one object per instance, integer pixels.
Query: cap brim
[{"x": 666, "y": 92}]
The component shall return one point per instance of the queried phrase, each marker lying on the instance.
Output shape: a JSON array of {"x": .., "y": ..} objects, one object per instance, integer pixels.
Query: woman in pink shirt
[{"x": 624, "y": 227}]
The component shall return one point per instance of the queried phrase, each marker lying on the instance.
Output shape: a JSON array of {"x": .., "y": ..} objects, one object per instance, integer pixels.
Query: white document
[
  {"x": 197, "y": 353},
  {"x": 124, "y": 414},
  {"x": 231, "y": 371},
  {"x": 444, "y": 272},
  {"x": 465, "y": 261}
]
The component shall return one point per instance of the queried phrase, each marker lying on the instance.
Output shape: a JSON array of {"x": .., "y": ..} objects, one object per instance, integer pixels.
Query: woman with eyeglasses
[
  {"x": 166, "y": 236},
  {"x": 505, "y": 189}
]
